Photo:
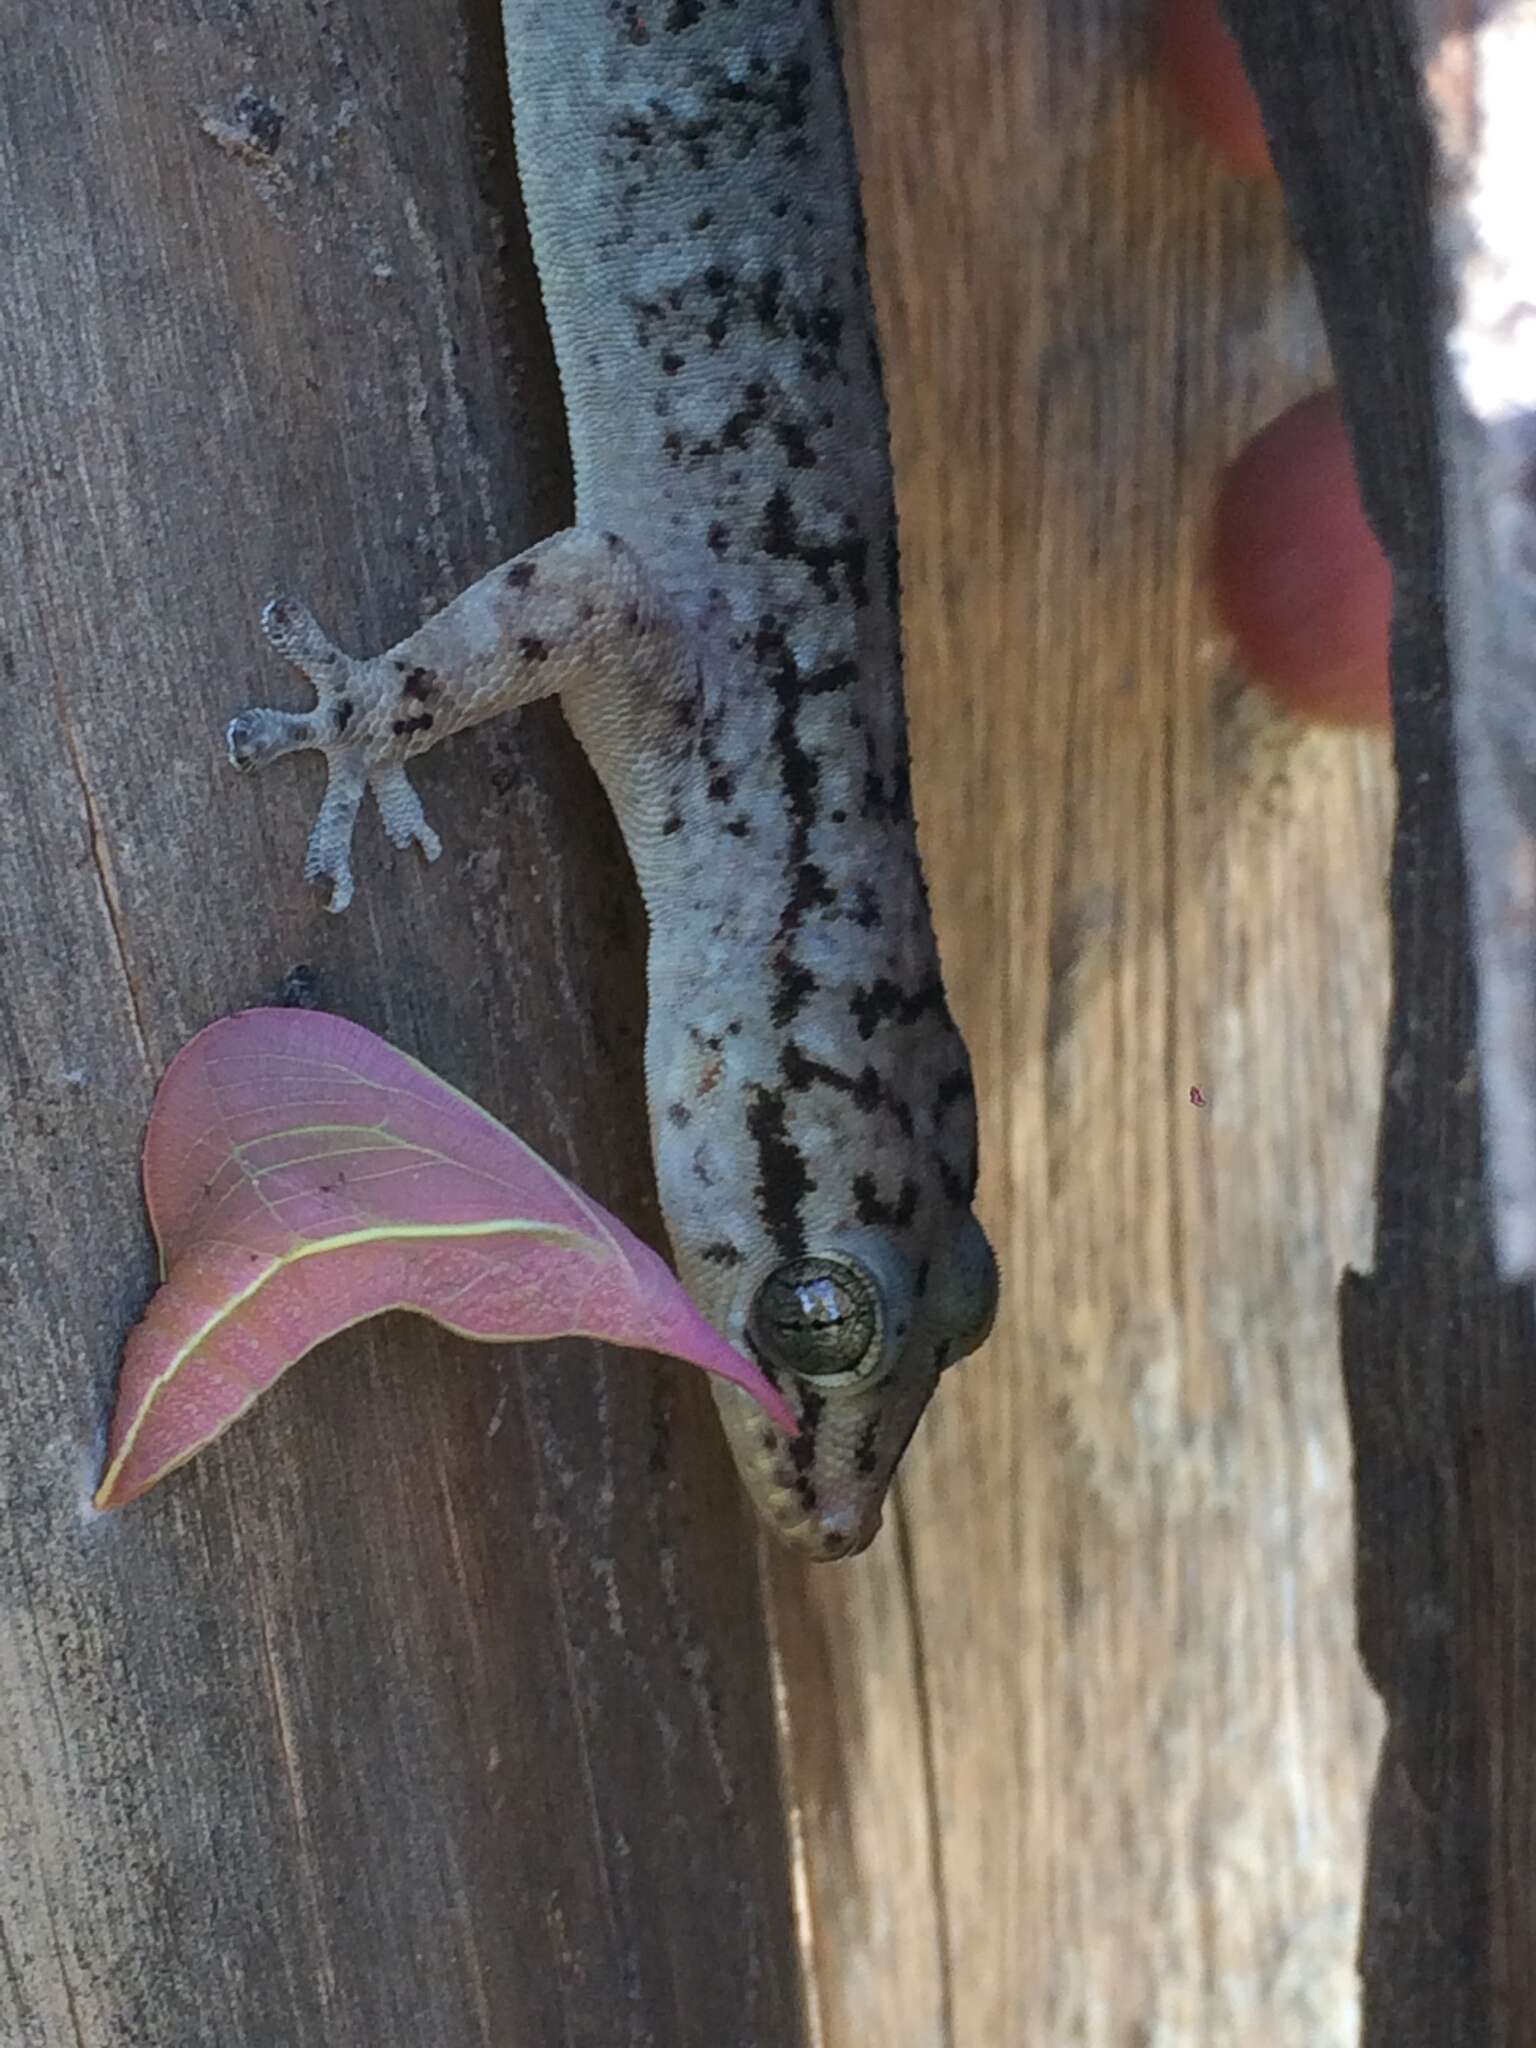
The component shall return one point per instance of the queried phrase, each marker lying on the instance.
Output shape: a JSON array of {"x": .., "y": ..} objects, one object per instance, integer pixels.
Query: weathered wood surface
[
  {"x": 1082, "y": 1747},
  {"x": 432, "y": 1706},
  {"x": 1437, "y": 1355}
]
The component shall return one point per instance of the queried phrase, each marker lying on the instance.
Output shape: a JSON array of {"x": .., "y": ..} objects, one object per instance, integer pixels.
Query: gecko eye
[{"x": 819, "y": 1318}]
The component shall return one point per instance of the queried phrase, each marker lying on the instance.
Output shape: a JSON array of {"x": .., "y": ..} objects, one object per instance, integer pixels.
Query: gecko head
[
  {"x": 817, "y": 1185},
  {"x": 854, "y": 1332}
]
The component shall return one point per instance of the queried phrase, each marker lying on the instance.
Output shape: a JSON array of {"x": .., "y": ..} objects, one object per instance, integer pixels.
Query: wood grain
[
  {"x": 1081, "y": 1749},
  {"x": 432, "y": 1705}
]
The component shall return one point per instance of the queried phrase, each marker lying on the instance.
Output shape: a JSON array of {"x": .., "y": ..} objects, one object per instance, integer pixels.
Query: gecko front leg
[{"x": 575, "y": 610}]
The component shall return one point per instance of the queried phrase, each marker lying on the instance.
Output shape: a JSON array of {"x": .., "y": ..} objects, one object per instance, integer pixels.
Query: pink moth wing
[{"x": 301, "y": 1175}]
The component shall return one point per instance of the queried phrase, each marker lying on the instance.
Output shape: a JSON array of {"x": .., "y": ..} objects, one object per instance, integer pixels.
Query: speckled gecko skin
[{"x": 721, "y": 625}]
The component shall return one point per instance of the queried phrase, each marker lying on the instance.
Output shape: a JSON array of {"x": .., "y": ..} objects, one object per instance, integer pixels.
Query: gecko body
[{"x": 721, "y": 624}]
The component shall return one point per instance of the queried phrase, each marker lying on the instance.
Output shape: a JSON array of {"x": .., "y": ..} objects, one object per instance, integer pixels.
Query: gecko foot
[
  {"x": 259, "y": 736},
  {"x": 348, "y": 728}
]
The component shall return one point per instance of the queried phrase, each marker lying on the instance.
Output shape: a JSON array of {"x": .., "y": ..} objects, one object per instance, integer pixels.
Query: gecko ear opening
[{"x": 968, "y": 1291}]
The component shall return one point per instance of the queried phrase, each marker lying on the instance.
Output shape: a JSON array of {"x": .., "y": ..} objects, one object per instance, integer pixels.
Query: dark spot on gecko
[
  {"x": 801, "y": 1072},
  {"x": 955, "y": 1189},
  {"x": 866, "y": 1090},
  {"x": 838, "y": 817},
  {"x": 631, "y": 617},
  {"x": 611, "y": 540},
  {"x": 737, "y": 431},
  {"x": 802, "y": 1448},
  {"x": 866, "y": 909},
  {"x": 812, "y": 891},
  {"x": 722, "y": 787},
  {"x": 871, "y": 1210},
  {"x": 864, "y": 1460},
  {"x": 704, "y": 218},
  {"x": 920, "y": 1284},
  {"x": 671, "y": 362},
  {"x": 797, "y": 449},
  {"x": 721, "y": 1253},
  {"x": 834, "y": 675},
  {"x": 531, "y": 648},
  {"x": 883, "y": 1003},
  {"x": 521, "y": 574},
  {"x": 780, "y": 537},
  {"x": 782, "y": 1181},
  {"x": 738, "y": 828},
  {"x": 767, "y": 296},
  {"x": 719, "y": 537},
  {"x": 680, "y": 1114},
  {"x": 344, "y": 710},
  {"x": 955, "y": 1087},
  {"x": 793, "y": 984},
  {"x": 632, "y": 129},
  {"x": 420, "y": 685},
  {"x": 671, "y": 824},
  {"x": 402, "y": 727},
  {"x": 890, "y": 802},
  {"x": 633, "y": 16}
]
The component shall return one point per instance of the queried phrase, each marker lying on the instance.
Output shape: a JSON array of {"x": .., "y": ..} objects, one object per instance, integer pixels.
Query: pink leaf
[{"x": 302, "y": 1175}]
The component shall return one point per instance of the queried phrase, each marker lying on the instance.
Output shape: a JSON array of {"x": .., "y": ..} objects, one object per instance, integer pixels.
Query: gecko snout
[{"x": 838, "y": 1541}]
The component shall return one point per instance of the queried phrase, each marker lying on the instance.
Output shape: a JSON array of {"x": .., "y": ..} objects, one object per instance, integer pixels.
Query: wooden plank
[
  {"x": 1437, "y": 1355},
  {"x": 432, "y": 1705},
  {"x": 1081, "y": 1748}
]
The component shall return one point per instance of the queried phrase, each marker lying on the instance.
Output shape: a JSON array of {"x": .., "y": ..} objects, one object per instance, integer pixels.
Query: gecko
[{"x": 721, "y": 625}]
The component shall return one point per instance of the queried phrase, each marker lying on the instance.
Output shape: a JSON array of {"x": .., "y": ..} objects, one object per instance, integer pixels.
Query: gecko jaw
[{"x": 777, "y": 1489}]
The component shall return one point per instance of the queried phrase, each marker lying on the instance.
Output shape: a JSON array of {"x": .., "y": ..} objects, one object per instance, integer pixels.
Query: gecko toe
[
  {"x": 326, "y": 862},
  {"x": 299, "y": 639},
  {"x": 400, "y": 809},
  {"x": 329, "y": 854},
  {"x": 257, "y": 736}
]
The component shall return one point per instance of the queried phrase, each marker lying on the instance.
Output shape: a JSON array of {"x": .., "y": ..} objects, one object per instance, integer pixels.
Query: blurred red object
[
  {"x": 1300, "y": 582},
  {"x": 1205, "y": 76}
]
